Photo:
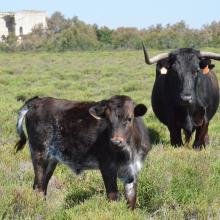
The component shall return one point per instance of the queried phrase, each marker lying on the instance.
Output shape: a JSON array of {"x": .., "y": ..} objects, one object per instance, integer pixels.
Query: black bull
[{"x": 185, "y": 93}]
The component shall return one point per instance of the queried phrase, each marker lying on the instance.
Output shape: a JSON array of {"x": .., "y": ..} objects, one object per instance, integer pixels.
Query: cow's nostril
[
  {"x": 186, "y": 98},
  {"x": 116, "y": 141}
]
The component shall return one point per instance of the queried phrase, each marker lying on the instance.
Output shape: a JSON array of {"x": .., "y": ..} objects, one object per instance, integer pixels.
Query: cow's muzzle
[
  {"x": 186, "y": 99},
  {"x": 118, "y": 141}
]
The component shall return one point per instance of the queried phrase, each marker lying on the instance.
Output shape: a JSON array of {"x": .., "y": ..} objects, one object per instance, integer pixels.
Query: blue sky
[{"x": 117, "y": 13}]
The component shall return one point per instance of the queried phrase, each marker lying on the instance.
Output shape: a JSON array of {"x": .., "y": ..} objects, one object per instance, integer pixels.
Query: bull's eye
[{"x": 194, "y": 73}]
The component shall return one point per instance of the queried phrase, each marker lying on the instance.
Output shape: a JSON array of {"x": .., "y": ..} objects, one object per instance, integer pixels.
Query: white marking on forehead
[{"x": 163, "y": 70}]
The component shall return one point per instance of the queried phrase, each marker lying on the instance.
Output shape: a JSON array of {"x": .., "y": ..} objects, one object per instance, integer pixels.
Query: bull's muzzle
[{"x": 186, "y": 99}]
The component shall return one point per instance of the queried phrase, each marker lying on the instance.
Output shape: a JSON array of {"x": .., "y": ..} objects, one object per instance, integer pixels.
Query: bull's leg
[
  {"x": 131, "y": 194},
  {"x": 201, "y": 138},
  {"x": 50, "y": 167},
  {"x": 206, "y": 142},
  {"x": 188, "y": 135},
  {"x": 109, "y": 176},
  {"x": 175, "y": 136}
]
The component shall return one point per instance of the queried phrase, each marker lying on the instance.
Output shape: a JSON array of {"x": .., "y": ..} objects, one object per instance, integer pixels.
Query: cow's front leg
[
  {"x": 131, "y": 194},
  {"x": 175, "y": 136},
  {"x": 109, "y": 175}
]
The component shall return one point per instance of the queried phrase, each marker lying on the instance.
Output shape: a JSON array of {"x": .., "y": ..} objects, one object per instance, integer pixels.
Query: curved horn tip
[
  {"x": 210, "y": 55},
  {"x": 147, "y": 60}
]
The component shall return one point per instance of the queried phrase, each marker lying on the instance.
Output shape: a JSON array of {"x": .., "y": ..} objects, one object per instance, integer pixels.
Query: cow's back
[{"x": 62, "y": 124}]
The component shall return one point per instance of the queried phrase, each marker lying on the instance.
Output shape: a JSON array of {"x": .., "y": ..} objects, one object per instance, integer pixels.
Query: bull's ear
[
  {"x": 206, "y": 63},
  {"x": 211, "y": 66},
  {"x": 140, "y": 110},
  {"x": 98, "y": 110}
]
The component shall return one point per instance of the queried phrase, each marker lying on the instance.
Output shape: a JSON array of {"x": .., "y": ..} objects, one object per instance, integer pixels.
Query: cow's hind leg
[
  {"x": 43, "y": 170},
  {"x": 49, "y": 169},
  {"x": 201, "y": 138},
  {"x": 39, "y": 161}
]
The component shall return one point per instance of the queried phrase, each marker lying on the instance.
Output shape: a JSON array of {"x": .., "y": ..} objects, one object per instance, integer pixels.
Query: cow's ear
[
  {"x": 140, "y": 110},
  {"x": 98, "y": 110}
]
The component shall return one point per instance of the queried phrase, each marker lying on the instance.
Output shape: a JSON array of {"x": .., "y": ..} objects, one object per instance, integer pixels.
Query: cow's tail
[{"x": 21, "y": 115}]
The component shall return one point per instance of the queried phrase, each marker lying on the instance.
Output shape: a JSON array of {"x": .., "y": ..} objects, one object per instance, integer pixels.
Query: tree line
[{"x": 73, "y": 34}]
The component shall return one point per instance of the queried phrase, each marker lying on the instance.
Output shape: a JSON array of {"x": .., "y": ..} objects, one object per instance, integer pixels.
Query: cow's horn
[
  {"x": 210, "y": 55},
  {"x": 154, "y": 59}
]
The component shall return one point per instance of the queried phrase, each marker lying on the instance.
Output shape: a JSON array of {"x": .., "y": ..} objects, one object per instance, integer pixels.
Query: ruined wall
[
  {"x": 4, "y": 21},
  {"x": 21, "y": 22},
  {"x": 26, "y": 20},
  {"x": 3, "y": 28}
]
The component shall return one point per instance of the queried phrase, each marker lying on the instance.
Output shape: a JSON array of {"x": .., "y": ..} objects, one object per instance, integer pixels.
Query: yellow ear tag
[
  {"x": 205, "y": 70},
  {"x": 163, "y": 70}
]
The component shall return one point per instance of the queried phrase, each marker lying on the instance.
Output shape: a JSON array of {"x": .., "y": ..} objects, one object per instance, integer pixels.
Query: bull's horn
[
  {"x": 154, "y": 59},
  {"x": 210, "y": 55}
]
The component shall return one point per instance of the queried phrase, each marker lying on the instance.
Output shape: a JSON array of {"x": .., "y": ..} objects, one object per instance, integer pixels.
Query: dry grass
[{"x": 174, "y": 184}]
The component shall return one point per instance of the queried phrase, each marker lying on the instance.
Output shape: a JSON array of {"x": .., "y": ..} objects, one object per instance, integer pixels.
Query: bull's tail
[{"x": 21, "y": 115}]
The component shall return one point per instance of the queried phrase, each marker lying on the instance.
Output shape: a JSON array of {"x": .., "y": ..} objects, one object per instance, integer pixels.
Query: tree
[
  {"x": 57, "y": 23},
  {"x": 104, "y": 34}
]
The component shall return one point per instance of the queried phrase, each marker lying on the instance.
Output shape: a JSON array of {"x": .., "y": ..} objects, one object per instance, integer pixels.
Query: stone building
[{"x": 21, "y": 22}]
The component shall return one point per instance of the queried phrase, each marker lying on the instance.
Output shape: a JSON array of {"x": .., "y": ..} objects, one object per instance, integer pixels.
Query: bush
[{"x": 73, "y": 34}]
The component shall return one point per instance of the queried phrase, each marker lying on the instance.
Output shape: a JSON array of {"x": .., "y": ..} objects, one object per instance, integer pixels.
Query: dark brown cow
[{"x": 108, "y": 135}]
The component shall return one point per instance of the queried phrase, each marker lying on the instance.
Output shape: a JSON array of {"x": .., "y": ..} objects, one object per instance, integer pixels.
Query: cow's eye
[{"x": 127, "y": 121}]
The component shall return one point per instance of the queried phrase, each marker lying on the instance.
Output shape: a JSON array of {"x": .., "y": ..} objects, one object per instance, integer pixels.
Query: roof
[
  {"x": 22, "y": 11},
  {"x": 30, "y": 11}
]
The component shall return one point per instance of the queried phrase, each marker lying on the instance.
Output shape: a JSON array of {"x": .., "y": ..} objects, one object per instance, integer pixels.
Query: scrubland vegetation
[
  {"x": 65, "y": 34},
  {"x": 174, "y": 183}
]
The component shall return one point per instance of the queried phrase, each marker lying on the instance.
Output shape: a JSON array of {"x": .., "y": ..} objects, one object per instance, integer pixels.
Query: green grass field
[{"x": 174, "y": 183}]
